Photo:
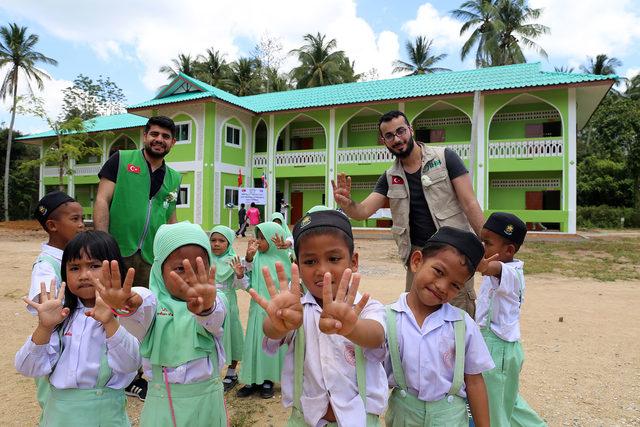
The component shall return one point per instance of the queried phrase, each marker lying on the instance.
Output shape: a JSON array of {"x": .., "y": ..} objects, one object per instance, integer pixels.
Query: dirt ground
[{"x": 581, "y": 340}]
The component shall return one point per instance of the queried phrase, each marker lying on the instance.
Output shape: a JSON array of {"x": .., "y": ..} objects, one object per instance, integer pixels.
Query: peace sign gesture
[
  {"x": 50, "y": 309},
  {"x": 284, "y": 308},
  {"x": 113, "y": 291},
  {"x": 197, "y": 287},
  {"x": 339, "y": 315}
]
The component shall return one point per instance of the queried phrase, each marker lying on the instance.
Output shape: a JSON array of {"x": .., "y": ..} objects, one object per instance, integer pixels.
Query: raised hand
[
  {"x": 50, "y": 310},
  {"x": 485, "y": 264},
  {"x": 252, "y": 248},
  {"x": 113, "y": 291},
  {"x": 199, "y": 287},
  {"x": 339, "y": 315},
  {"x": 342, "y": 190},
  {"x": 284, "y": 308},
  {"x": 236, "y": 264},
  {"x": 100, "y": 311},
  {"x": 280, "y": 242}
]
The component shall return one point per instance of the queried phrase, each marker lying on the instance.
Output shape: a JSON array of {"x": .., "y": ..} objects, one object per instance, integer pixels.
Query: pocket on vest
[
  {"x": 402, "y": 240},
  {"x": 453, "y": 216}
]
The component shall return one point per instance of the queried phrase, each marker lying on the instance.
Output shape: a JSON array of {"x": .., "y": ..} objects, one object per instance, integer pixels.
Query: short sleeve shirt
[
  {"x": 421, "y": 226},
  {"x": 110, "y": 171}
]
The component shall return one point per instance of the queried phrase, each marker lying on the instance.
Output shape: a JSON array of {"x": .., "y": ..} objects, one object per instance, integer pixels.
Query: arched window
[
  {"x": 122, "y": 143},
  {"x": 90, "y": 159}
]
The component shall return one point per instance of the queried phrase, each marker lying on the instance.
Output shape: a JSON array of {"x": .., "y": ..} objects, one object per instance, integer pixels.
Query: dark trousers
[
  {"x": 243, "y": 228},
  {"x": 143, "y": 269}
]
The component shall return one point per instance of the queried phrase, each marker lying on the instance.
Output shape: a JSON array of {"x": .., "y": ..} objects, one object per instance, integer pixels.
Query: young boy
[
  {"x": 333, "y": 372},
  {"x": 436, "y": 351},
  {"x": 498, "y": 315}
]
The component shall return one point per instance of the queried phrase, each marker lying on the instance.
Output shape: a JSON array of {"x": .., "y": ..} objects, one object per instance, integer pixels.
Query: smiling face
[
  {"x": 219, "y": 244},
  {"x": 174, "y": 263},
  {"x": 318, "y": 254},
  {"x": 158, "y": 142},
  {"x": 397, "y": 136},
  {"x": 80, "y": 274}
]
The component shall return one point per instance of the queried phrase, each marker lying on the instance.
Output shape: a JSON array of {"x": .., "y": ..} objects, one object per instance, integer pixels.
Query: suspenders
[{"x": 493, "y": 294}]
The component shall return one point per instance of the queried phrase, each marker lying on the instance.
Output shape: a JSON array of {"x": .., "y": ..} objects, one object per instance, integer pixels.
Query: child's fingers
[
  {"x": 271, "y": 288},
  {"x": 190, "y": 273},
  {"x": 181, "y": 284},
  {"x": 282, "y": 276},
  {"x": 128, "y": 280},
  {"x": 327, "y": 292},
  {"x": 258, "y": 299},
  {"x": 90, "y": 313},
  {"x": 52, "y": 290},
  {"x": 361, "y": 304},
  {"x": 289, "y": 315},
  {"x": 115, "y": 275},
  {"x": 44, "y": 296},
  {"x": 344, "y": 285},
  {"x": 353, "y": 289},
  {"x": 98, "y": 285},
  {"x": 60, "y": 297},
  {"x": 30, "y": 303},
  {"x": 201, "y": 271},
  {"x": 212, "y": 275},
  {"x": 295, "y": 280},
  {"x": 106, "y": 274}
]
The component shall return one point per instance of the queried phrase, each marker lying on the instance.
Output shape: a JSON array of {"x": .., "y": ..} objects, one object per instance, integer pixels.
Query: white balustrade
[
  {"x": 86, "y": 170},
  {"x": 292, "y": 158},
  {"x": 364, "y": 155},
  {"x": 260, "y": 160},
  {"x": 525, "y": 149}
]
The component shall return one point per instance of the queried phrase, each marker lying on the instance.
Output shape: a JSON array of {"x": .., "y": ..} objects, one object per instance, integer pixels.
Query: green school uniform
[
  {"x": 258, "y": 367},
  {"x": 407, "y": 410}
]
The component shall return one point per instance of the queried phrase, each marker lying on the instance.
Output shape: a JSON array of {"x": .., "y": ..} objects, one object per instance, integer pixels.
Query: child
[
  {"x": 285, "y": 239},
  {"x": 89, "y": 358},
  {"x": 436, "y": 352},
  {"x": 333, "y": 371},
  {"x": 179, "y": 322},
  {"x": 498, "y": 316},
  {"x": 259, "y": 371},
  {"x": 228, "y": 280},
  {"x": 61, "y": 217}
]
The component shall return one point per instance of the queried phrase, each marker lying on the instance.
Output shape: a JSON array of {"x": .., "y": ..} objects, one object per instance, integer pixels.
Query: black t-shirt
[
  {"x": 110, "y": 172},
  {"x": 421, "y": 225},
  {"x": 242, "y": 214}
]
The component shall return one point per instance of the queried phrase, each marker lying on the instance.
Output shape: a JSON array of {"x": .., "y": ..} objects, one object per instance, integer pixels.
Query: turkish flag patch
[
  {"x": 397, "y": 180},
  {"x": 133, "y": 168}
]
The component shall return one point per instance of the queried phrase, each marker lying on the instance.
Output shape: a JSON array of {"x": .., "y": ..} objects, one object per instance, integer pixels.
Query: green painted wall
[
  {"x": 230, "y": 154},
  {"x": 207, "y": 167},
  {"x": 184, "y": 213},
  {"x": 184, "y": 152},
  {"x": 227, "y": 180}
]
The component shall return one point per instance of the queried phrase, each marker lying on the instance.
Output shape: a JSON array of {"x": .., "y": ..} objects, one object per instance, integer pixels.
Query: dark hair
[
  {"x": 323, "y": 231},
  {"x": 393, "y": 114},
  {"x": 55, "y": 214},
  {"x": 253, "y": 205},
  {"x": 163, "y": 121},
  {"x": 431, "y": 249},
  {"x": 242, "y": 205},
  {"x": 96, "y": 245}
]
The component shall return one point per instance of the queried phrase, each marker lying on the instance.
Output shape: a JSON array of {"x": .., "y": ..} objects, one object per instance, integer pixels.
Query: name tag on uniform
[{"x": 133, "y": 168}]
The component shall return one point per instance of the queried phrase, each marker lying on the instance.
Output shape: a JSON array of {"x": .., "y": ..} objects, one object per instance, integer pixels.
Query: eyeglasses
[{"x": 390, "y": 136}]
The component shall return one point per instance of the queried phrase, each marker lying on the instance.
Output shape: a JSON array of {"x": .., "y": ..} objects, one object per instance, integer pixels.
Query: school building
[{"x": 514, "y": 126}]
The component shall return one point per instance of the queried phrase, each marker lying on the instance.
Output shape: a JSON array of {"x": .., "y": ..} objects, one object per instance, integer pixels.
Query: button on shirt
[
  {"x": 428, "y": 352},
  {"x": 506, "y": 293},
  {"x": 193, "y": 371},
  {"x": 43, "y": 272},
  {"x": 329, "y": 370},
  {"x": 78, "y": 363}
]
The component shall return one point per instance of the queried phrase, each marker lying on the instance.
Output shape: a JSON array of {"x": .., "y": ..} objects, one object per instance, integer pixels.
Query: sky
[{"x": 129, "y": 40}]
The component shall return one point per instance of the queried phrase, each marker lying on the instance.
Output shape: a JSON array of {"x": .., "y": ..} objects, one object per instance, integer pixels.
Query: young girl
[
  {"x": 89, "y": 358},
  {"x": 436, "y": 352},
  {"x": 229, "y": 277},
  {"x": 283, "y": 240},
  {"x": 179, "y": 322},
  {"x": 257, "y": 367}
]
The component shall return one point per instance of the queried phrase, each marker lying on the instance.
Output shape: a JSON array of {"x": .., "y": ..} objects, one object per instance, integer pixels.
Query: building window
[
  {"x": 231, "y": 196},
  {"x": 183, "y": 132},
  {"x": 183, "y": 196},
  {"x": 233, "y": 136},
  {"x": 430, "y": 135}
]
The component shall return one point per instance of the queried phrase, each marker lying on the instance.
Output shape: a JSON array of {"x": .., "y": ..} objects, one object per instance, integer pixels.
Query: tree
[
  {"x": 479, "y": 17},
  {"x": 18, "y": 54},
  {"x": 244, "y": 77},
  {"x": 183, "y": 64},
  {"x": 212, "y": 68},
  {"x": 421, "y": 58},
  {"x": 88, "y": 99},
  {"x": 633, "y": 88},
  {"x": 601, "y": 65},
  {"x": 23, "y": 196},
  {"x": 563, "y": 69},
  {"x": 321, "y": 64}
]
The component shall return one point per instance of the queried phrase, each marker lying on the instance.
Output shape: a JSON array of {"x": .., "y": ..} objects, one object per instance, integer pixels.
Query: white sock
[{"x": 231, "y": 372}]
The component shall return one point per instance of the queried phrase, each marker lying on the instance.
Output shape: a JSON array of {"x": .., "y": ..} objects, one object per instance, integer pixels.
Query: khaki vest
[{"x": 438, "y": 192}]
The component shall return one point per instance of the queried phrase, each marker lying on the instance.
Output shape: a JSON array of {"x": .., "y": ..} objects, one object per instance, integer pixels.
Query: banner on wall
[{"x": 252, "y": 195}]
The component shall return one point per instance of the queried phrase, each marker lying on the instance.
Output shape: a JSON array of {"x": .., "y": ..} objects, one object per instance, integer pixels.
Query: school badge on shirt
[
  {"x": 397, "y": 180},
  {"x": 133, "y": 168}
]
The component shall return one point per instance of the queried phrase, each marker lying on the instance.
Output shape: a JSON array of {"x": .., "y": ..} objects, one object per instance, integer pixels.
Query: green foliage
[
  {"x": 601, "y": 65},
  {"x": 607, "y": 217},
  {"x": 88, "y": 99},
  {"x": 421, "y": 58},
  {"x": 23, "y": 194},
  {"x": 603, "y": 181}
]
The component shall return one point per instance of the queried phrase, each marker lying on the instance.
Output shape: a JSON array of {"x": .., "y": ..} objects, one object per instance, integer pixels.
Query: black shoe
[
  {"x": 229, "y": 382},
  {"x": 266, "y": 390},
  {"x": 247, "y": 390},
  {"x": 137, "y": 388}
]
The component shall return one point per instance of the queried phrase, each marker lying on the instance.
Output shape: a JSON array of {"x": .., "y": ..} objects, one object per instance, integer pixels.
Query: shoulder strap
[
  {"x": 361, "y": 375},
  {"x": 394, "y": 349},
  {"x": 54, "y": 263},
  {"x": 298, "y": 354},
  {"x": 459, "y": 327}
]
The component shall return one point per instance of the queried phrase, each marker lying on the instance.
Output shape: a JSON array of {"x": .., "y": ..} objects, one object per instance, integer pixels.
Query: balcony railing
[
  {"x": 83, "y": 170},
  {"x": 292, "y": 158},
  {"x": 525, "y": 149}
]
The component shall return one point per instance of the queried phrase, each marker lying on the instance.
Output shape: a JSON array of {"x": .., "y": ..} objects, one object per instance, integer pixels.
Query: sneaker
[
  {"x": 247, "y": 390},
  {"x": 137, "y": 388},
  {"x": 229, "y": 382},
  {"x": 266, "y": 391}
]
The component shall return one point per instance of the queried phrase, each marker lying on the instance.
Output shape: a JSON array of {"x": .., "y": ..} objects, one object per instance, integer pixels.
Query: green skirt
[
  {"x": 199, "y": 404},
  {"x": 98, "y": 407},
  {"x": 257, "y": 366},
  {"x": 406, "y": 410},
  {"x": 233, "y": 338},
  {"x": 297, "y": 420}
]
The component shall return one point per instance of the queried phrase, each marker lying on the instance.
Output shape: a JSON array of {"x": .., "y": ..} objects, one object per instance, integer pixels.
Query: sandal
[{"x": 229, "y": 382}]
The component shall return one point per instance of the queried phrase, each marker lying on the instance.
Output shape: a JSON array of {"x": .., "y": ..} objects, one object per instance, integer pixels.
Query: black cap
[
  {"x": 464, "y": 241},
  {"x": 49, "y": 203},
  {"x": 508, "y": 226},
  {"x": 321, "y": 218}
]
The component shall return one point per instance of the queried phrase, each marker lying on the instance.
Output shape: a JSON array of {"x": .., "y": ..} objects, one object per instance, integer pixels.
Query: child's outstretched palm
[
  {"x": 252, "y": 248},
  {"x": 100, "y": 311},
  {"x": 280, "y": 242},
  {"x": 199, "y": 286},
  {"x": 236, "y": 264},
  {"x": 284, "y": 308},
  {"x": 50, "y": 310},
  {"x": 339, "y": 315},
  {"x": 115, "y": 293}
]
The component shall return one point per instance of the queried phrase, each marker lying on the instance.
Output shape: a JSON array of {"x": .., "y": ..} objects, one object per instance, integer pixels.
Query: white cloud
[
  {"x": 444, "y": 30},
  {"x": 631, "y": 72}
]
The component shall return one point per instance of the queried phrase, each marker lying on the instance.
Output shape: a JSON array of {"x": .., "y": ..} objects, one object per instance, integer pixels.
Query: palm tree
[
  {"x": 563, "y": 69},
  {"x": 320, "y": 63},
  {"x": 273, "y": 81},
  {"x": 17, "y": 52},
  {"x": 421, "y": 59},
  {"x": 633, "y": 88},
  {"x": 211, "y": 68},
  {"x": 602, "y": 65},
  {"x": 183, "y": 64},
  {"x": 478, "y": 16},
  {"x": 244, "y": 77},
  {"x": 514, "y": 28}
]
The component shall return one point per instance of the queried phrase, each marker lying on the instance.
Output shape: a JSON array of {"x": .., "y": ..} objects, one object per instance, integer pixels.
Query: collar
[
  {"x": 162, "y": 166},
  {"x": 51, "y": 251},
  {"x": 446, "y": 313}
]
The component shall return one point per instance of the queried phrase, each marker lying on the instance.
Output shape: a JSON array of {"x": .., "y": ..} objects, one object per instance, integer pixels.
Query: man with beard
[
  {"x": 138, "y": 193},
  {"x": 427, "y": 188}
]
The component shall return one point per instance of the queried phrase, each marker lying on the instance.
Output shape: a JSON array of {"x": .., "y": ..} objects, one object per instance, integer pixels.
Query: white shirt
[
  {"x": 193, "y": 371},
  {"x": 507, "y": 295},
  {"x": 43, "y": 272},
  {"x": 428, "y": 352},
  {"x": 329, "y": 370},
  {"x": 78, "y": 363}
]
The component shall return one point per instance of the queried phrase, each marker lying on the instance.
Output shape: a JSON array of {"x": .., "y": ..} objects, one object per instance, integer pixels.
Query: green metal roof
[
  {"x": 442, "y": 83},
  {"x": 100, "y": 124}
]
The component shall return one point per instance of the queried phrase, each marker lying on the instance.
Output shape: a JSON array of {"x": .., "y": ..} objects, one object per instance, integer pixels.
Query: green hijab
[
  {"x": 175, "y": 337},
  {"x": 269, "y": 259},
  {"x": 278, "y": 215},
  {"x": 223, "y": 269}
]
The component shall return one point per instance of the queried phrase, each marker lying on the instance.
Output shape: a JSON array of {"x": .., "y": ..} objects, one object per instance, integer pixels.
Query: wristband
[{"x": 121, "y": 312}]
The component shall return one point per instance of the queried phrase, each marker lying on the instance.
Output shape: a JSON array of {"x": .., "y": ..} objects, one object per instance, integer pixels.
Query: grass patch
[{"x": 601, "y": 259}]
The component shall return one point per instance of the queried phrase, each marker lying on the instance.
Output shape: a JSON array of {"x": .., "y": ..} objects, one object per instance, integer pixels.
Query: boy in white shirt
[
  {"x": 333, "y": 372},
  {"x": 498, "y": 315}
]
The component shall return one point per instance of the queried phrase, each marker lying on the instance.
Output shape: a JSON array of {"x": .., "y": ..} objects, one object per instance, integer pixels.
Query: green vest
[{"x": 134, "y": 219}]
